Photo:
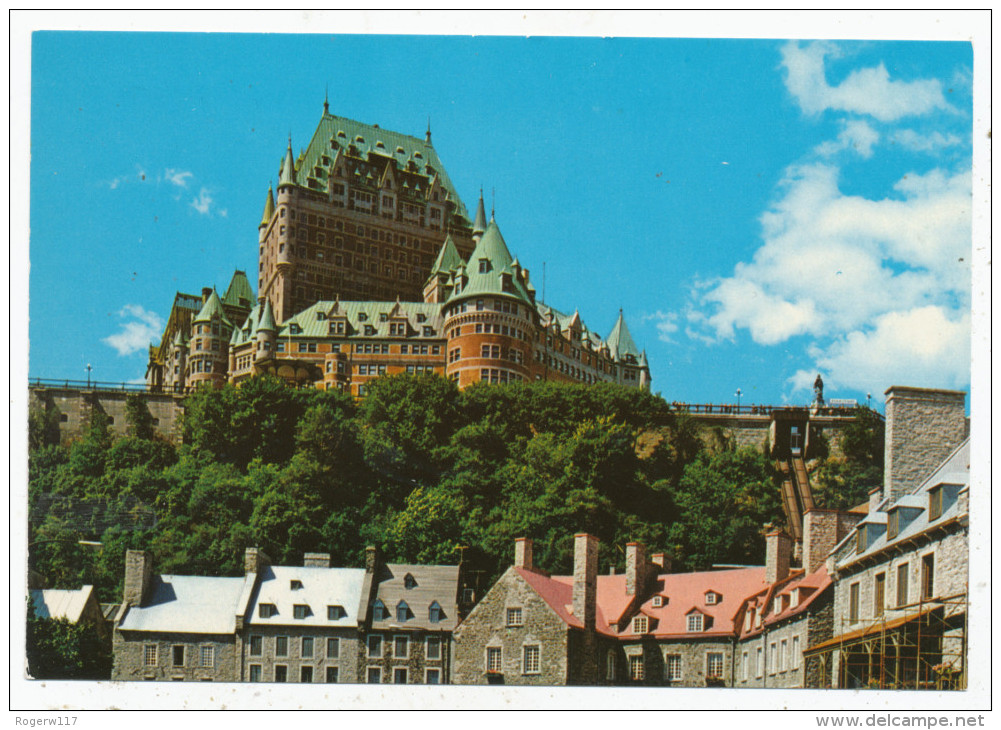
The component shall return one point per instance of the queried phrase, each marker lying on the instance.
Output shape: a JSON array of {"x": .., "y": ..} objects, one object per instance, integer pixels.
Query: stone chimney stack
[
  {"x": 255, "y": 560},
  {"x": 778, "y": 554},
  {"x": 923, "y": 426},
  {"x": 635, "y": 568},
  {"x": 316, "y": 560},
  {"x": 585, "y": 579},
  {"x": 138, "y": 576},
  {"x": 371, "y": 558},
  {"x": 820, "y": 535},
  {"x": 662, "y": 562},
  {"x": 523, "y": 553}
]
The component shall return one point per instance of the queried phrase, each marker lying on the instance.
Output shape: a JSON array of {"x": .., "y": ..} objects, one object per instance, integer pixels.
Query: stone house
[
  {"x": 76, "y": 606},
  {"x": 900, "y": 577}
]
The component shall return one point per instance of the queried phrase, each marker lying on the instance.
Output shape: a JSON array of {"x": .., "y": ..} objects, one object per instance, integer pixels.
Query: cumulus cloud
[
  {"x": 868, "y": 91},
  {"x": 135, "y": 334},
  {"x": 856, "y": 135},
  {"x": 924, "y": 142},
  {"x": 203, "y": 203},
  {"x": 177, "y": 177},
  {"x": 666, "y": 323}
]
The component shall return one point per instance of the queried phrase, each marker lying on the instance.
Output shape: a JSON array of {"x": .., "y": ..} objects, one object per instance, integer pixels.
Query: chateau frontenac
[{"x": 368, "y": 265}]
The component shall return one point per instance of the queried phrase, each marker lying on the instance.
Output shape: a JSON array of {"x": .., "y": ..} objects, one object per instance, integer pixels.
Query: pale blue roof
[
  {"x": 321, "y": 587},
  {"x": 188, "y": 604}
]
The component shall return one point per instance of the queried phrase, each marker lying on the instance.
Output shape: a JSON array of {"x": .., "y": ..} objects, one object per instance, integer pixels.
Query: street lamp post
[
  {"x": 88, "y": 376},
  {"x": 868, "y": 398},
  {"x": 738, "y": 400}
]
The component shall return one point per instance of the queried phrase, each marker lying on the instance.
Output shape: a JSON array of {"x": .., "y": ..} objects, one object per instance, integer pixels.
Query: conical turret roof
[
  {"x": 448, "y": 258},
  {"x": 490, "y": 271},
  {"x": 267, "y": 323},
  {"x": 620, "y": 342},
  {"x": 212, "y": 307},
  {"x": 269, "y": 207},
  {"x": 480, "y": 224},
  {"x": 288, "y": 168}
]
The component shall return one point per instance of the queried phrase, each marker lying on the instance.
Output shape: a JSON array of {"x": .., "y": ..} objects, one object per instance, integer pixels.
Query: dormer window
[
  {"x": 641, "y": 624},
  {"x": 712, "y": 598},
  {"x": 301, "y": 610},
  {"x": 295, "y": 585},
  {"x": 379, "y": 610},
  {"x": 409, "y": 581},
  {"x": 435, "y": 614},
  {"x": 935, "y": 502},
  {"x": 860, "y": 540},
  {"x": 403, "y": 613},
  {"x": 658, "y": 601},
  {"x": 422, "y": 317},
  {"x": 695, "y": 622},
  {"x": 267, "y": 610},
  {"x": 484, "y": 266},
  {"x": 777, "y": 605},
  {"x": 362, "y": 317},
  {"x": 295, "y": 329},
  {"x": 335, "y": 613},
  {"x": 794, "y": 598},
  {"x": 892, "y": 524}
]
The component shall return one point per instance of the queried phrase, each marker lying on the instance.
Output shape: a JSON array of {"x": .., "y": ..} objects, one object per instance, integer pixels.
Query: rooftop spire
[
  {"x": 288, "y": 167},
  {"x": 427, "y": 136},
  {"x": 269, "y": 207},
  {"x": 493, "y": 203},
  {"x": 480, "y": 224},
  {"x": 326, "y": 99}
]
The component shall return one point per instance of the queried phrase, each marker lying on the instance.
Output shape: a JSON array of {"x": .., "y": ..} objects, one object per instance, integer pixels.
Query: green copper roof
[
  {"x": 314, "y": 321},
  {"x": 180, "y": 340},
  {"x": 213, "y": 306},
  {"x": 239, "y": 288},
  {"x": 269, "y": 207},
  {"x": 490, "y": 270},
  {"x": 448, "y": 258},
  {"x": 288, "y": 168},
  {"x": 620, "y": 342},
  {"x": 400, "y": 148},
  {"x": 267, "y": 321},
  {"x": 480, "y": 224}
]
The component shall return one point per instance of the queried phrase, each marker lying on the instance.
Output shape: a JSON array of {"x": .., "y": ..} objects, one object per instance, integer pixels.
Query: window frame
[
  {"x": 303, "y": 643},
  {"x": 710, "y": 656},
  {"x": 377, "y": 639},
  {"x": 514, "y": 616},
  {"x": 281, "y": 641},
  {"x": 255, "y": 669},
  {"x": 669, "y": 661},
  {"x": 854, "y": 591},
  {"x": 211, "y": 656},
  {"x": 397, "y": 639},
  {"x": 699, "y": 620},
  {"x": 334, "y": 641},
  {"x": 527, "y": 661},
  {"x": 150, "y": 655},
  {"x": 428, "y": 642},
  {"x": 879, "y": 594},
  {"x": 637, "y": 668},
  {"x": 493, "y": 659},
  {"x": 259, "y": 641},
  {"x": 173, "y": 655},
  {"x": 928, "y": 576},
  {"x": 903, "y": 583}
]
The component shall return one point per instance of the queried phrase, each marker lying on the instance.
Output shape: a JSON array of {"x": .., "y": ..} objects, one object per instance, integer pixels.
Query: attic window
[
  {"x": 267, "y": 610},
  {"x": 421, "y": 317},
  {"x": 935, "y": 502},
  {"x": 362, "y": 316},
  {"x": 712, "y": 598},
  {"x": 641, "y": 624},
  {"x": 418, "y": 155},
  {"x": 320, "y": 316},
  {"x": 379, "y": 610},
  {"x": 658, "y": 601},
  {"x": 300, "y": 611},
  {"x": 295, "y": 329},
  {"x": 383, "y": 317},
  {"x": 794, "y": 598},
  {"x": 435, "y": 614},
  {"x": 484, "y": 266},
  {"x": 695, "y": 622},
  {"x": 341, "y": 134},
  {"x": 893, "y": 524},
  {"x": 403, "y": 613},
  {"x": 295, "y": 585},
  {"x": 400, "y": 151},
  {"x": 335, "y": 612},
  {"x": 359, "y": 138},
  {"x": 380, "y": 145},
  {"x": 409, "y": 581}
]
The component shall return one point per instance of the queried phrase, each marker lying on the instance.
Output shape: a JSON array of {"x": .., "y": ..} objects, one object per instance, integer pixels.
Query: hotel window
[
  {"x": 208, "y": 656},
  {"x": 374, "y": 675},
  {"x": 636, "y": 669},
  {"x": 714, "y": 664},
  {"x": 281, "y": 646},
  {"x": 795, "y": 652},
  {"x": 531, "y": 663},
  {"x": 333, "y": 647},
  {"x": 306, "y": 651},
  {"x": 672, "y": 667},
  {"x": 399, "y": 675},
  {"x": 432, "y": 676},
  {"x": 306, "y": 675},
  {"x": 149, "y": 655},
  {"x": 695, "y": 622},
  {"x": 879, "y": 594},
  {"x": 494, "y": 659},
  {"x": 432, "y": 648},
  {"x": 401, "y": 647},
  {"x": 375, "y": 646},
  {"x": 853, "y": 598},
  {"x": 256, "y": 646},
  {"x": 281, "y": 673},
  {"x": 902, "y": 584},
  {"x": 928, "y": 576},
  {"x": 331, "y": 675},
  {"x": 178, "y": 655},
  {"x": 514, "y": 617},
  {"x": 255, "y": 672}
]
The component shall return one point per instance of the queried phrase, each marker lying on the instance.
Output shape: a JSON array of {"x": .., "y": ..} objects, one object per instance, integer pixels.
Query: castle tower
[
  {"x": 490, "y": 318},
  {"x": 480, "y": 224},
  {"x": 438, "y": 286},
  {"x": 208, "y": 347},
  {"x": 631, "y": 367},
  {"x": 266, "y": 333}
]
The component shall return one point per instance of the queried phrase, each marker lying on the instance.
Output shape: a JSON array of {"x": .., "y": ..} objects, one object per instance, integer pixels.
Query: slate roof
[
  {"x": 238, "y": 289},
  {"x": 359, "y": 314},
  {"x": 321, "y": 587},
  {"x": 55, "y": 603},
  {"x": 431, "y": 583},
  {"x": 955, "y": 470},
  {"x": 620, "y": 342},
  {"x": 188, "y": 604}
]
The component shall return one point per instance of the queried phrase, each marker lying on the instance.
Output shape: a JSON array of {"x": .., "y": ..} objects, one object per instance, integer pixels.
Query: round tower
[
  {"x": 208, "y": 347},
  {"x": 266, "y": 334}
]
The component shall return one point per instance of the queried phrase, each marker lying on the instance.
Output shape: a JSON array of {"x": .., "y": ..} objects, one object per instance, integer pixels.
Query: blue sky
[{"x": 761, "y": 210}]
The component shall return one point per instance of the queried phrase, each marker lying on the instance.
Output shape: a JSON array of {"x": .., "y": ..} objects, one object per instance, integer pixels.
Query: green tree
[
  {"x": 138, "y": 417},
  {"x": 58, "y": 649}
]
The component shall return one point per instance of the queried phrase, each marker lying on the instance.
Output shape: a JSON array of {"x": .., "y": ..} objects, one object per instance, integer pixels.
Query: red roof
[
  {"x": 681, "y": 592},
  {"x": 812, "y": 586}
]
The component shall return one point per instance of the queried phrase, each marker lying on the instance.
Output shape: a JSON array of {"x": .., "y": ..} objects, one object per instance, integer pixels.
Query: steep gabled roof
[
  {"x": 319, "y": 588},
  {"x": 238, "y": 293},
  {"x": 620, "y": 342},
  {"x": 188, "y": 604},
  {"x": 448, "y": 258},
  {"x": 56, "y": 604},
  {"x": 430, "y": 584},
  {"x": 211, "y": 308},
  {"x": 489, "y": 267}
]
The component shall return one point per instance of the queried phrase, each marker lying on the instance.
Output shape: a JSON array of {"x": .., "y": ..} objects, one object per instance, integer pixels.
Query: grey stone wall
[
  {"x": 346, "y": 660},
  {"x": 486, "y": 626},
  {"x": 694, "y": 657},
  {"x": 415, "y": 661},
  {"x": 810, "y": 628},
  {"x": 128, "y": 649},
  {"x": 73, "y": 407}
]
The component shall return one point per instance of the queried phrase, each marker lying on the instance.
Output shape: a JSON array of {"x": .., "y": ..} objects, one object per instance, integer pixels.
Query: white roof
[
  {"x": 188, "y": 604},
  {"x": 321, "y": 587},
  {"x": 53, "y": 603}
]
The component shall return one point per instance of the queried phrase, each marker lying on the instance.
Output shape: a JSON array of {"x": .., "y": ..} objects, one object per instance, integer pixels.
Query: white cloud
[
  {"x": 203, "y": 203},
  {"x": 666, "y": 323},
  {"x": 177, "y": 177},
  {"x": 868, "y": 91},
  {"x": 856, "y": 135},
  {"x": 924, "y": 142},
  {"x": 136, "y": 334}
]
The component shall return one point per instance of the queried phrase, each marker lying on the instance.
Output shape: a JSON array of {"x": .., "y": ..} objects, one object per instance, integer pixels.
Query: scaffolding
[{"x": 922, "y": 646}]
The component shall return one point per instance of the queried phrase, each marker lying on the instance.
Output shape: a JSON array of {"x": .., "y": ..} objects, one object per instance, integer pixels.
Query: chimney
[
  {"x": 820, "y": 535},
  {"x": 635, "y": 568},
  {"x": 778, "y": 553},
  {"x": 255, "y": 560},
  {"x": 585, "y": 579},
  {"x": 923, "y": 426},
  {"x": 138, "y": 576},
  {"x": 523, "y": 553},
  {"x": 206, "y": 293},
  {"x": 316, "y": 560},
  {"x": 371, "y": 558},
  {"x": 662, "y": 562}
]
